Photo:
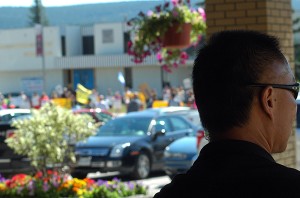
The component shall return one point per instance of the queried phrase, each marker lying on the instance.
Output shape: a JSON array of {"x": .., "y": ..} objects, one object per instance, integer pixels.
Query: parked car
[
  {"x": 6, "y": 115},
  {"x": 10, "y": 162},
  {"x": 99, "y": 115},
  {"x": 132, "y": 144},
  {"x": 180, "y": 155}
]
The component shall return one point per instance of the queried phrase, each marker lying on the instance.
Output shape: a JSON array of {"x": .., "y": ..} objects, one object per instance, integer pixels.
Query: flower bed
[{"x": 53, "y": 184}]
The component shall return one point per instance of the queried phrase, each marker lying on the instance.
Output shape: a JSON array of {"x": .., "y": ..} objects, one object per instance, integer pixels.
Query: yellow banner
[
  {"x": 82, "y": 94},
  {"x": 159, "y": 103},
  {"x": 63, "y": 102}
]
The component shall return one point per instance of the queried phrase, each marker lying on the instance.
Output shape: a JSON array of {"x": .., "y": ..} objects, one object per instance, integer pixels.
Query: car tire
[{"x": 142, "y": 166}]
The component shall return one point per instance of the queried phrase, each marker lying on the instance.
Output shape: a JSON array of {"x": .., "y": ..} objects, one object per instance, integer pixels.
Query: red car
[{"x": 99, "y": 115}]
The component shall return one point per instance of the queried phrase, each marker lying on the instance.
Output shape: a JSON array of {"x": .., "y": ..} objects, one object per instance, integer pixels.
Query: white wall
[
  {"x": 52, "y": 42},
  {"x": 178, "y": 75},
  {"x": 11, "y": 81},
  {"x": 18, "y": 49},
  {"x": 106, "y": 78},
  {"x": 73, "y": 40},
  {"x": 110, "y": 48}
]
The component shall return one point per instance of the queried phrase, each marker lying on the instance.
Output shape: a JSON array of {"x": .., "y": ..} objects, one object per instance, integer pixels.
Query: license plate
[{"x": 84, "y": 161}]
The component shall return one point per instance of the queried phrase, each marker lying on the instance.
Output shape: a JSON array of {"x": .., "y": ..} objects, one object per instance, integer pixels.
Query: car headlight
[{"x": 117, "y": 150}]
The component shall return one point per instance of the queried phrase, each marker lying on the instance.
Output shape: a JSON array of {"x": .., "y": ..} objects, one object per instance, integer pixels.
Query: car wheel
[{"x": 142, "y": 166}]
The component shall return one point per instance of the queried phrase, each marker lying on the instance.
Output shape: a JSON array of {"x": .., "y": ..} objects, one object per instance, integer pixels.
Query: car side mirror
[{"x": 159, "y": 130}]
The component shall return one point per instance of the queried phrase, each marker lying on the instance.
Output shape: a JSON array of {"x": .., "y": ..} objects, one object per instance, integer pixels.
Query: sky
[{"x": 49, "y": 3}]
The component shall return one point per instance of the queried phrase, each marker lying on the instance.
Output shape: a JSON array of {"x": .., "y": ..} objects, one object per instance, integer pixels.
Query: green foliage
[
  {"x": 47, "y": 136},
  {"x": 37, "y": 14},
  {"x": 149, "y": 29}
]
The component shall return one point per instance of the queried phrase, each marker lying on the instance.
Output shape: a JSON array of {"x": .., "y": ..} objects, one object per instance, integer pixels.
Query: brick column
[{"x": 270, "y": 16}]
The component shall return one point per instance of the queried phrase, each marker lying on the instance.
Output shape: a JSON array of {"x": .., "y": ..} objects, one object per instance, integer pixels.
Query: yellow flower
[{"x": 2, "y": 187}]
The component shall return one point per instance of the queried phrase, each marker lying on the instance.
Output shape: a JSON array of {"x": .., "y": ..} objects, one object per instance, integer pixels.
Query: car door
[
  {"x": 180, "y": 127},
  {"x": 160, "y": 142}
]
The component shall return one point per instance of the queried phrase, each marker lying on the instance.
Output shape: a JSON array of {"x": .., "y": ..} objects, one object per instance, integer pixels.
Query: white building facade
[{"x": 92, "y": 56}]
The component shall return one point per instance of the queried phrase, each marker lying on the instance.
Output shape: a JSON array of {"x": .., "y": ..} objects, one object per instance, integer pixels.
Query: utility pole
[
  {"x": 38, "y": 20},
  {"x": 40, "y": 51}
]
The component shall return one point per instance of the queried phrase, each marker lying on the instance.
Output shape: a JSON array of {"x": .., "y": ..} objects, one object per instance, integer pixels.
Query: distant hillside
[{"x": 17, "y": 17}]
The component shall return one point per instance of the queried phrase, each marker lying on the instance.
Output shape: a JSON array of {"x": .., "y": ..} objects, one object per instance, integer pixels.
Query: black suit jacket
[{"x": 231, "y": 169}]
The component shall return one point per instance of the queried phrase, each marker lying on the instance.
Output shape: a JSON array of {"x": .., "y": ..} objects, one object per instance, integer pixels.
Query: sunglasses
[{"x": 294, "y": 88}]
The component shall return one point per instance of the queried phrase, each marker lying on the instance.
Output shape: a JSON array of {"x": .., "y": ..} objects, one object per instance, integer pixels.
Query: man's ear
[{"x": 267, "y": 101}]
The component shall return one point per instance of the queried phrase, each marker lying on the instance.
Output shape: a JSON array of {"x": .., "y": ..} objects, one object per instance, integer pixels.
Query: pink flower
[
  {"x": 182, "y": 61},
  {"x": 149, "y": 13},
  {"x": 169, "y": 52},
  {"x": 166, "y": 68},
  {"x": 45, "y": 187},
  {"x": 166, "y": 5},
  {"x": 184, "y": 55},
  {"x": 174, "y": 2},
  {"x": 175, "y": 13},
  {"x": 138, "y": 60},
  {"x": 129, "y": 44},
  {"x": 202, "y": 13},
  {"x": 159, "y": 57},
  {"x": 158, "y": 8},
  {"x": 175, "y": 65}
]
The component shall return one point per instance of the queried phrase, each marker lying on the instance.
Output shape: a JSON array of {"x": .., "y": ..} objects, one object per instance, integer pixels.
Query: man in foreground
[{"x": 246, "y": 95}]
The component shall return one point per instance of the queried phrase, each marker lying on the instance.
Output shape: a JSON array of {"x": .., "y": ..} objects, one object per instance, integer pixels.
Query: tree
[
  {"x": 46, "y": 137},
  {"x": 37, "y": 14}
]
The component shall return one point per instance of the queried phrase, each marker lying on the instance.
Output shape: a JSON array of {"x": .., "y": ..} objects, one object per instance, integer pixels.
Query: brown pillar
[{"x": 270, "y": 16}]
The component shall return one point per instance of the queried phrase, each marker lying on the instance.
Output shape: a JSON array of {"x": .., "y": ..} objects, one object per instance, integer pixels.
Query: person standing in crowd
[
  {"x": 35, "y": 100},
  {"x": 102, "y": 103},
  {"x": 135, "y": 104},
  {"x": 44, "y": 98},
  {"x": 24, "y": 102},
  {"x": 253, "y": 120},
  {"x": 172, "y": 101},
  {"x": 117, "y": 102}
]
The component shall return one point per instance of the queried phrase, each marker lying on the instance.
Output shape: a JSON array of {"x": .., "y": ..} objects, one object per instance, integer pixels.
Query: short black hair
[{"x": 223, "y": 68}]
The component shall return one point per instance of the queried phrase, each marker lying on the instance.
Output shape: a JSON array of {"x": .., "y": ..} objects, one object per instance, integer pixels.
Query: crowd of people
[{"x": 132, "y": 100}]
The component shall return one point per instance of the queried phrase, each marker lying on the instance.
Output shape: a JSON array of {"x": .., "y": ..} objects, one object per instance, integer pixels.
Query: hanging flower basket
[
  {"x": 177, "y": 36},
  {"x": 165, "y": 32}
]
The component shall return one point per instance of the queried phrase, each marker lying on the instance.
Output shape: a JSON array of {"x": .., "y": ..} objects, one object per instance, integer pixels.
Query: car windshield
[{"x": 127, "y": 126}]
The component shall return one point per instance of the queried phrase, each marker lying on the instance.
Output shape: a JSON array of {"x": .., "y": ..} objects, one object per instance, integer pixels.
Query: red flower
[{"x": 39, "y": 174}]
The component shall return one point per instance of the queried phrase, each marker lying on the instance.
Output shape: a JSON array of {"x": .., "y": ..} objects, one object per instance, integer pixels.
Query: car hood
[
  {"x": 107, "y": 141},
  {"x": 184, "y": 145}
]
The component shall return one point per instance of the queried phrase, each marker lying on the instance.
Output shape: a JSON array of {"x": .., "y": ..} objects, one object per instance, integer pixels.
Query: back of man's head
[{"x": 223, "y": 68}]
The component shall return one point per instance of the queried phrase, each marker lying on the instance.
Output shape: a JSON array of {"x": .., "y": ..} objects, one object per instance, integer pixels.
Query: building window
[
  {"x": 88, "y": 45},
  {"x": 128, "y": 77},
  {"x": 126, "y": 40},
  {"x": 63, "y": 45},
  {"x": 107, "y": 36}
]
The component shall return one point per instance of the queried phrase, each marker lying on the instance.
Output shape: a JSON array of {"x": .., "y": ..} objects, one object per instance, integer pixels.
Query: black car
[
  {"x": 132, "y": 144},
  {"x": 10, "y": 162}
]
